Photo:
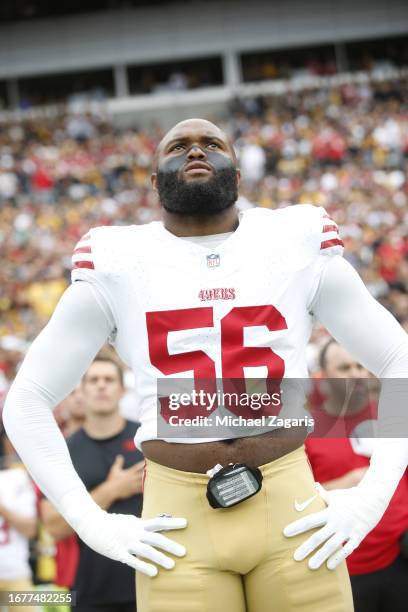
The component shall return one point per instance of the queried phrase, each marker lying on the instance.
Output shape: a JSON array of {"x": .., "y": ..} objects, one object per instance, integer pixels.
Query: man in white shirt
[{"x": 17, "y": 527}]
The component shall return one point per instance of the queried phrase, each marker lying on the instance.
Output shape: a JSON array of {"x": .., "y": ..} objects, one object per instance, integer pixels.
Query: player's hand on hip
[
  {"x": 350, "y": 515},
  {"x": 132, "y": 540},
  {"x": 122, "y": 537}
]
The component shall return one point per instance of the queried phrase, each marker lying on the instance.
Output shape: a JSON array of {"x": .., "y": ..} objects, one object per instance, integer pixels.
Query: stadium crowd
[{"x": 344, "y": 148}]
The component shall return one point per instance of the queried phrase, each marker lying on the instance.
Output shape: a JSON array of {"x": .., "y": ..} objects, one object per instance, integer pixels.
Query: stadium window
[
  {"x": 391, "y": 52},
  {"x": 172, "y": 76},
  {"x": 3, "y": 95},
  {"x": 53, "y": 88},
  {"x": 288, "y": 63}
]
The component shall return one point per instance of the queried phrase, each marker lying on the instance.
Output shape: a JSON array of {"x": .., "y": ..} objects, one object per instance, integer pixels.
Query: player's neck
[
  {"x": 101, "y": 427},
  {"x": 183, "y": 225}
]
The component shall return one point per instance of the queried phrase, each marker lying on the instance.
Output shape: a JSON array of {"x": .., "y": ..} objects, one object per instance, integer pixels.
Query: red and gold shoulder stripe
[
  {"x": 82, "y": 256},
  {"x": 330, "y": 234}
]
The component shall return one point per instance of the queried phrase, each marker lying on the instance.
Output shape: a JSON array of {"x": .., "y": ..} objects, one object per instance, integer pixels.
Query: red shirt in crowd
[
  {"x": 332, "y": 458},
  {"x": 66, "y": 558},
  {"x": 66, "y": 555},
  {"x": 41, "y": 180}
]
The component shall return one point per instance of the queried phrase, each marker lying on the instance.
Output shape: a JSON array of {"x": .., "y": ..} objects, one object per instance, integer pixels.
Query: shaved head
[{"x": 195, "y": 169}]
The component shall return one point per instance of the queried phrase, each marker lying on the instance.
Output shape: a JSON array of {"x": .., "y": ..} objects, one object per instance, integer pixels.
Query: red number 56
[{"x": 234, "y": 355}]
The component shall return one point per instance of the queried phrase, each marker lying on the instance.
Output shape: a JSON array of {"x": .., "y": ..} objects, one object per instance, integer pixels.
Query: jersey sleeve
[
  {"x": 310, "y": 232},
  {"x": 329, "y": 237},
  {"x": 327, "y": 243},
  {"x": 82, "y": 258},
  {"x": 89, "y": 265}
]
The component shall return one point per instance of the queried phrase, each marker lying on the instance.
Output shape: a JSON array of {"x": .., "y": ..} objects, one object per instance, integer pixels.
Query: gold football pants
[{"x": 237, "y": 559}]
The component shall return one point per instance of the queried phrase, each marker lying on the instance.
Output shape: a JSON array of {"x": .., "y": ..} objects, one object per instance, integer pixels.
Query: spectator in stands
[
  {"x": 17, "y": 527},
  {"x": 107, "y": 461},
  {"x": 377, "y": 569},
  {"x": 12, "y": 350},
  {"x": 252, "y": 161},
  {"x": 345, "y": 398}
]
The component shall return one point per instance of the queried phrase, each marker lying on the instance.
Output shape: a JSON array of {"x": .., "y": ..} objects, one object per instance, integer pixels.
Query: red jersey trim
[
  {"x": 331, "y": 243},
  {"x": 330, "y": 228},
  {"x": 84, "y": 264}
]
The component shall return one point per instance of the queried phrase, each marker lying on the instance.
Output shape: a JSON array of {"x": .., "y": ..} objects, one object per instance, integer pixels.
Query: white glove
[
  {"x": 121, "y": 536},
  {"x": 350, "y": 515}
]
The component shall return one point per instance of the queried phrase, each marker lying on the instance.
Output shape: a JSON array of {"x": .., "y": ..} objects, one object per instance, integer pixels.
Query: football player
[{"x": 208, "y": 293}]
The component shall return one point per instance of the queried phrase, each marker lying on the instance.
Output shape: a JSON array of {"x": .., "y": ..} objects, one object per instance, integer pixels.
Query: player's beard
[{"x": 198, "y": 197}]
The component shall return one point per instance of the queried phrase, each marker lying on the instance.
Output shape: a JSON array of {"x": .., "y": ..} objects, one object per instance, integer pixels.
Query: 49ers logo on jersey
[{"x": 220, "y": 293}]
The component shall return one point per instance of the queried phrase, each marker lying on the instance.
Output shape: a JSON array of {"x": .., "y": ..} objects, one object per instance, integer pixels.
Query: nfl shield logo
[{"x": 213, "y": 260}]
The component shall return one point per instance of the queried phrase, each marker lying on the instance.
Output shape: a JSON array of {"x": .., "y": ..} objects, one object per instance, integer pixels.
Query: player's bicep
[
  {"x": 357, "y": 321},
  {"x": 62, "y": 352}
]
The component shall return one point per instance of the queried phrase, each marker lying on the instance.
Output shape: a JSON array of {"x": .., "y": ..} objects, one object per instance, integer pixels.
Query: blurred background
[{"x": 314, "y": 95}]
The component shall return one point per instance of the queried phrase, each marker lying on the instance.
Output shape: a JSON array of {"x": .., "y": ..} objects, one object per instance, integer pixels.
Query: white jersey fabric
[
  {"x": 239, "y": 309},
  {"x": 17, "y": 495},
  {"x": 282, "y": 256}
]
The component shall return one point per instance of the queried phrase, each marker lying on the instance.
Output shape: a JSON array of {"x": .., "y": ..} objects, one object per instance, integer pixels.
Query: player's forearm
[
  {"x": 36, "y": 437},
  {"x": 23, "y": 524},
  {"x": 104, "y": 495}
]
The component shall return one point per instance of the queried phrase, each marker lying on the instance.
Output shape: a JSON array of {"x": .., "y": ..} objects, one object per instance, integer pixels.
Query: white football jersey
[
  {"x": 178, "y": 309},
  {"x": 17, "y": 494}
]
